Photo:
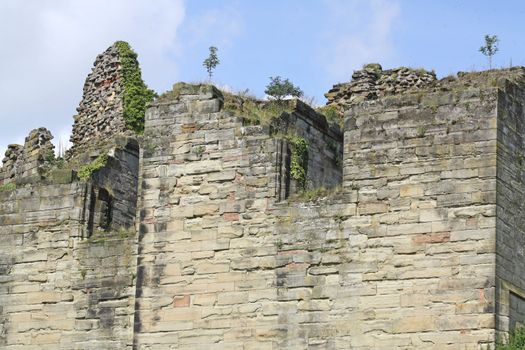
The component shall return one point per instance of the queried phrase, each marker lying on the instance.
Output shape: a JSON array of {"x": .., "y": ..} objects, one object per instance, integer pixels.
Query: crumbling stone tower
[{"x": 114, "y": 99}]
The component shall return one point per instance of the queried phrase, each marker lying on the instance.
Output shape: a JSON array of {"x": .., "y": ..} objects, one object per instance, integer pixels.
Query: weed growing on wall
[
  {"x": 515, "y": 340},
  {"x": 252, "y": 110},
  {"x": 136, "y": 95},
  {"x": 299, "y": 161},
  {"x": 332, "y": 113},
  {"x": 85, "y": 171}
]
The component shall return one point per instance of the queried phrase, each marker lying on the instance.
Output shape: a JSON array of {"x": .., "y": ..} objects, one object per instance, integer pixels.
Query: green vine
[
  {"x": 136, "y": 94},
  {"x": 299, "y": 162},
  {"x": 85, "y": 171}
]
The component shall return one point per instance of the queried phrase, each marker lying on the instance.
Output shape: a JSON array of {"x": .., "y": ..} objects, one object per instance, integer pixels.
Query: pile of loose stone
[
  {"x": 100, "y": 113},
  {"x": 31, "y": 159},
  {"x": 373, "y": 82}
]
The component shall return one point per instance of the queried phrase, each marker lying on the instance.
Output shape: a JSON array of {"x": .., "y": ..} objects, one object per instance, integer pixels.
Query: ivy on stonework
[{"x": 136, "y": 95}]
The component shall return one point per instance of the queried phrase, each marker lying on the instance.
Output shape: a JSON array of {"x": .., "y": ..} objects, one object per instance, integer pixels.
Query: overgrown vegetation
[
  {"x": 376, "y": 67},
  {"x": 263, "y": 112},
  {"x": 252, "y": 110},
  {"x": 278, "y": 89},
  {"x": 85, "y": 171},
  {"x": 333, "y": 114},
  {"x": 8, "y": 187},
  {"x": 515, "y": 340},
  {"x": 299, "y": 161},
  {"x": 136, "y": 95}
]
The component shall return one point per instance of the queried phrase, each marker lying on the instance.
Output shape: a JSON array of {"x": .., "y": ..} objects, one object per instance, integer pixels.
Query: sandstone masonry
[{"x": 194, "y": 235}]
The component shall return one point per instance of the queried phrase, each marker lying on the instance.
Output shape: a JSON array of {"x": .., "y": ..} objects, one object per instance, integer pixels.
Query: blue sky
[{"x": 48, "y": 47}]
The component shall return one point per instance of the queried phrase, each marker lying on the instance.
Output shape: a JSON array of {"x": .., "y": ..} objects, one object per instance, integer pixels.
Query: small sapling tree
[
  {"x": 211, "y": 62},
  {"x": 278, "y": 89},
  {"x": 490, "y": 48}
]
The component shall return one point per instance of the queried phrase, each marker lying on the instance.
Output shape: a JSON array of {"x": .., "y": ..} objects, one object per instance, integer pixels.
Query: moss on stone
[{"x": 136, "y": 95}]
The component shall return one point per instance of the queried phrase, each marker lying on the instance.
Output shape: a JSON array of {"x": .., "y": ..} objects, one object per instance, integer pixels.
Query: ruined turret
[
  {"x": 114, "y": 99},
  {"x": 30, "y": 160}
]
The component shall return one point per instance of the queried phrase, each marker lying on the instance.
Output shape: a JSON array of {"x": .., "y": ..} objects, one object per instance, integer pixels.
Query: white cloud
[
  {"x": 48, "y": 48},
  {"x": 361, "y": 34},
  {"x": 217, "y": 26}
]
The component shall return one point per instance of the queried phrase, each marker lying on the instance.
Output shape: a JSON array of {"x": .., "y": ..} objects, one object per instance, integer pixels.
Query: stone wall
[
  {"x": 58, "y": 289},
  {"x": 206, "y": 246},
  {"x": 113, "y": 102},
  {"x": 422, "y": 170},
  {"x": 35, "y": 225},
  {"x": 205, "y": 236},
  {"x": 510, "y": 225},
  {"x": 407, "y": 251}
]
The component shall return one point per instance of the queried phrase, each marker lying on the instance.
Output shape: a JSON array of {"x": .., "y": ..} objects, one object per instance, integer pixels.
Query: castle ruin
[{"x": 206, "y": 228}]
